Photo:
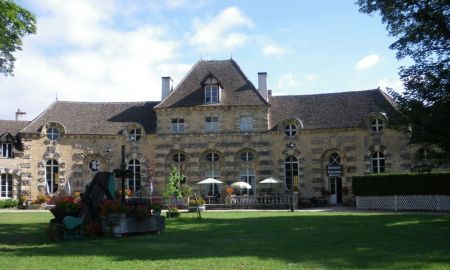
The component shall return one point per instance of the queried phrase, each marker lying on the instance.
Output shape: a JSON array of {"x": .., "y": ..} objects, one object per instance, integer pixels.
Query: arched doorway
[{"x": 334, "y": 171}]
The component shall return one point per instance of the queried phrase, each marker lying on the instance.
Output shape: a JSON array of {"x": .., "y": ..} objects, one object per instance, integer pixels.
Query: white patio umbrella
[
  {"x": 241, "y": 185},
  {"x": 270, "y": 180},
  {"x": 209, "y": 181}
]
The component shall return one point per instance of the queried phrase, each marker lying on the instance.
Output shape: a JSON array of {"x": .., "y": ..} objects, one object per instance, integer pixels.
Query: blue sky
[{"x": 116, "y": 50}]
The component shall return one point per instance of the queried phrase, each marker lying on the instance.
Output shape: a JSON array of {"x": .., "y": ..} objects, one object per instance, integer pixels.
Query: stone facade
[{"x": 228, "y": 152}]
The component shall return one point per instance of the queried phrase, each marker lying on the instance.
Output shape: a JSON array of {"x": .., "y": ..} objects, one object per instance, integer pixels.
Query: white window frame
[
  {"x": 424, "y": 154},
  {"x": 290, "y": 130},
  {"x": 53, "y": 133},
  {"x": 177, "y": 125},
  {"x": 212, "y": 124},
  {"x": 179, "y": 157},
  {"x": 247, "y": 156},
  {"x": 248, "y": 175},
  {"x": 6, "y": 150},
  {"x": 135, "y": 134},
  {"x": 292, "y": 161},
  {"x": 134, "y": 183},
  {"x": 95, "y": 165},
  {"x": 246, "y": 123},
  {"x": 378, "y": 162},
  {"x": 51, "y": 176},
  {"x": 6, "y": 185},
  {"x": 212, "y": 93},
  {"x": 377, "y": 125}
]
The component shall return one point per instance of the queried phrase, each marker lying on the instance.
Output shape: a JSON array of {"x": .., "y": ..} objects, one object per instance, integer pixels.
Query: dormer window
[
  {"x": 290, "y": 130},
  {"x": 52, "y": 134},
  {"x": 6, "y": 150},
  {"x": 212, "y": 89},
  {"x": 135, "y": 134},
  {"x": 377, "y": 125}
]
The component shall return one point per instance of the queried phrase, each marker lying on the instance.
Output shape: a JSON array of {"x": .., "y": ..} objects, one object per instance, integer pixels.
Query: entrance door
[{"x": 335, "y": 190}]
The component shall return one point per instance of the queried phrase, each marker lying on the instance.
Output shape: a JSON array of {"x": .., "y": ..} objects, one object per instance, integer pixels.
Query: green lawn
[{"x": 240, "y": 240}]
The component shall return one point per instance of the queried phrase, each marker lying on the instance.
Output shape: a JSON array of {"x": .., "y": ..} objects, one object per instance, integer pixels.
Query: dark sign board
[{"x": 334, "y": 170}]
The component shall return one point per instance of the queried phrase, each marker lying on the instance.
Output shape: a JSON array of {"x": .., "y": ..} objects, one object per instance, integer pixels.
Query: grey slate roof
[
  {"x": 334, "y": 110},
  {"x": 13, "y": 127},
  {"x": 237, "y": 89},
  {"x": 96, "y": 117}
]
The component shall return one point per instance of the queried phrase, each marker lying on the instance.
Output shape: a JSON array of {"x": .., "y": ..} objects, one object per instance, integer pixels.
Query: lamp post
[
  {"x": 123, "y": 173},
  {"x": 291, "y": 148}
]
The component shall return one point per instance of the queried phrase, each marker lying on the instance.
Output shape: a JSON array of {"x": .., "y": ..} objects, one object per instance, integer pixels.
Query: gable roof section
[
  {"x": 335, "y": 110},
  {"x": 237, "y": 89},
  {"x": 96, "y": 117},
  {"x": 12, "y": 127}
]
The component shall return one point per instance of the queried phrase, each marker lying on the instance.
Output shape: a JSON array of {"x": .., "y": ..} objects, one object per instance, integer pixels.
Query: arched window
[
  {"x": 248, "y": 176},
  {"x": 179, "y": 157},
  {"x": 51, "y": 176},
  {"x": 247, "y": 156},
  {"x": 334, "y": 159},
  {"x": 424, "y": 154},
  {"x": 52, "y": 134},
  {"x": 212, "y": 157},
  {"x": 377, "y": 125},
  {"x": 134, "y": 166},
  {"x": 377, "y": 162},
  {"x": 290, "y": 170},
  {"x": 290, "y": 130},
  {"x": 135, "y": 134}
]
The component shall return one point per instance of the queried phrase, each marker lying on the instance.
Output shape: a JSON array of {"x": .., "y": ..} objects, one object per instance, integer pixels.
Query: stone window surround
[
  {"x": 178, "y": 125},
  {"x": 6, "y": 150},
  {"x": 212, "y": 91}
]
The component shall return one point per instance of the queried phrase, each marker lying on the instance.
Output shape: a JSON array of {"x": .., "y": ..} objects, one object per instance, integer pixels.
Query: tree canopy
[
  {"x": 15, "y": 23},
  {"x": 423, "y": 31}
]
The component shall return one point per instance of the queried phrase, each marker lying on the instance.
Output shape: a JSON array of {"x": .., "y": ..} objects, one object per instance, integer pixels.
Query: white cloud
[
  {"x": 287, "y": 81},
  {"x": 311, "y": 77},
  {"x": 271, "y": 50},
  {"x": 78, "y": 55},
  {"x": 367, "y": 62},
  {"x": 218, "y": 34}
]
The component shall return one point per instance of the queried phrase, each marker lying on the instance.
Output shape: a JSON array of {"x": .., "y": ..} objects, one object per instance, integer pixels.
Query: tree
[
  {"x": 15, "y": 23},
  {"x": 423, "y": 31}
]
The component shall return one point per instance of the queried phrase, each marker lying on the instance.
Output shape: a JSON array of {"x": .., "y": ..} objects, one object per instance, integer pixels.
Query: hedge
[{"x": 402, "y": 184}]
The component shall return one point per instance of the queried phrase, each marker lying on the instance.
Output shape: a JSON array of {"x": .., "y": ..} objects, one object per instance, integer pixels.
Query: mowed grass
[{"x": 240, "y": 240}]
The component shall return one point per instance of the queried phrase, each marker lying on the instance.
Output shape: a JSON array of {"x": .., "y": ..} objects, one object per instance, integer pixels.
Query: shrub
[
  {"x": 8, "y": 203},
  {"x": 195, "y": 202},
  {"x": 402, "y": 184}
]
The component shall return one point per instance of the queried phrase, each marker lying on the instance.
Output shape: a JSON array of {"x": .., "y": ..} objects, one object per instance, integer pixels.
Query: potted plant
[
  {"x": 200, "y": 203},
  {"x": 156, "y": 208}
]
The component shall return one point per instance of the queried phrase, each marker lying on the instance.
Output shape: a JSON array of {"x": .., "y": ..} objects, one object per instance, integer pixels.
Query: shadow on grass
[{"x": 326, "y": 240}]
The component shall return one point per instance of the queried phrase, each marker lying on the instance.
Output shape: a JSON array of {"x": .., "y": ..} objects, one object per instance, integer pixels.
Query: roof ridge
[
  {"x": 331, "y": 93},
  {"x": 106, "y": 102}
]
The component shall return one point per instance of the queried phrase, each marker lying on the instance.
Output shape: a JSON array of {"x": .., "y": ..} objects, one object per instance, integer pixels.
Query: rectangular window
[
  {"x": 212, "y": 124},
  {"x": 6, "y": 150},
  {"x": 246, "y": 123},
  {"x": 6, "y": 186},
  {"x": 177, "y": 125},
  {"x": 211, "y": 94}
]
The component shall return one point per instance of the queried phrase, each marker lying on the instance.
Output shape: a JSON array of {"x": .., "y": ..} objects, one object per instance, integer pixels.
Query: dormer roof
[{"x": 236, "y": 89}]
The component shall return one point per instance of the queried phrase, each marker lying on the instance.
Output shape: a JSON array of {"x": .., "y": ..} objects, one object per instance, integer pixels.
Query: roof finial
[
  {"x": 231, "y": 56},
  {"x": 56, "y": 96}
]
